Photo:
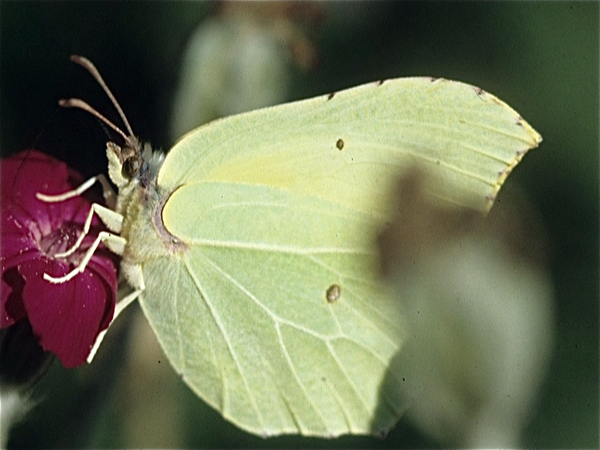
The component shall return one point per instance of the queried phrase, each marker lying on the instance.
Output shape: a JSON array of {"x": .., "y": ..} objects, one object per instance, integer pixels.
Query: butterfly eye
[{"x": 131, "y": 166}]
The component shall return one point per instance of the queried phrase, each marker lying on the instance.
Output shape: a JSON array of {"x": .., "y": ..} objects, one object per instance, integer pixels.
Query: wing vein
[
  {"x": 274, "y": 317},
  {"x": 177, "y": 325},
  {"x": 296, "y": 376},
  {"x": 345, "y": 372},
  {"x": 229, "y": 346},
  {"x": 277, "y": 248}
]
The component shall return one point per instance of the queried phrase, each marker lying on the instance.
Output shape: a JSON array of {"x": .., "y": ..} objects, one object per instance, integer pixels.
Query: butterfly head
[
  {"x": 127, "y": 163},
  {"x": 141, "y": 164},
  {"x": 133, "y": 163}
]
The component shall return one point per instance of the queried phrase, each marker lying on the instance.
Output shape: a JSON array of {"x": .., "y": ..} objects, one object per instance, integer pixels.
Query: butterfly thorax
[{"x": 140, "y": 201}]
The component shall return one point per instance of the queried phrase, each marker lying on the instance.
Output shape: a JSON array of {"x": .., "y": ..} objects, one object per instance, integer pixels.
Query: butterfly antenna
[
  {"x": 89, "y": 66},
  {"x": 77, "y": 103}
]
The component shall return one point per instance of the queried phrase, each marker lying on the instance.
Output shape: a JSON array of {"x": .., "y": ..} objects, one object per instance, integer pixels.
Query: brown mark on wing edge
[{"x": 480, "y": 92}]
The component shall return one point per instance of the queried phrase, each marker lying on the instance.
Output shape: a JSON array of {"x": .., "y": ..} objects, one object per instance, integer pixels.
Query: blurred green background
[{"x": 542, "y": 58}]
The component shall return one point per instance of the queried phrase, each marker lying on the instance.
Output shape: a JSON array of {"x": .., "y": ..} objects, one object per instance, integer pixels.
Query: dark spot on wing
[
  {"x": 333, "y": 293},
  {"x": 330, "y": 96},
  {"x": 339, "y": 144}
]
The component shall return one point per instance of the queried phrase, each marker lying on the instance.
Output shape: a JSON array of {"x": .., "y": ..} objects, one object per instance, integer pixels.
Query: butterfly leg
[
  {"x": 115, "y": 244},
  {"x": 112, "y": 219},
  {"x": 109, "y": 194},
  {"x": 119, "y": 308}
]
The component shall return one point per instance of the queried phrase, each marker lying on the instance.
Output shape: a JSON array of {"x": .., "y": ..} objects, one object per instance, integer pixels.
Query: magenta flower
[{"x": 66, "y": 318}]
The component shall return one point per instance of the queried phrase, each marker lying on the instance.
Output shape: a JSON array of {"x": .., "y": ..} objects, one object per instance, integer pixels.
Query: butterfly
[{"x": 251, "y": 244}]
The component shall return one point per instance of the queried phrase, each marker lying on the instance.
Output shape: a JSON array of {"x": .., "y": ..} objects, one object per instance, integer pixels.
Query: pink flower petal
[
  {"x": 67, "y": 317},
  {"x": 26, "y": 174},
  {"x": 17, "y": 246},
  {"x": 13, "y": 309}
]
